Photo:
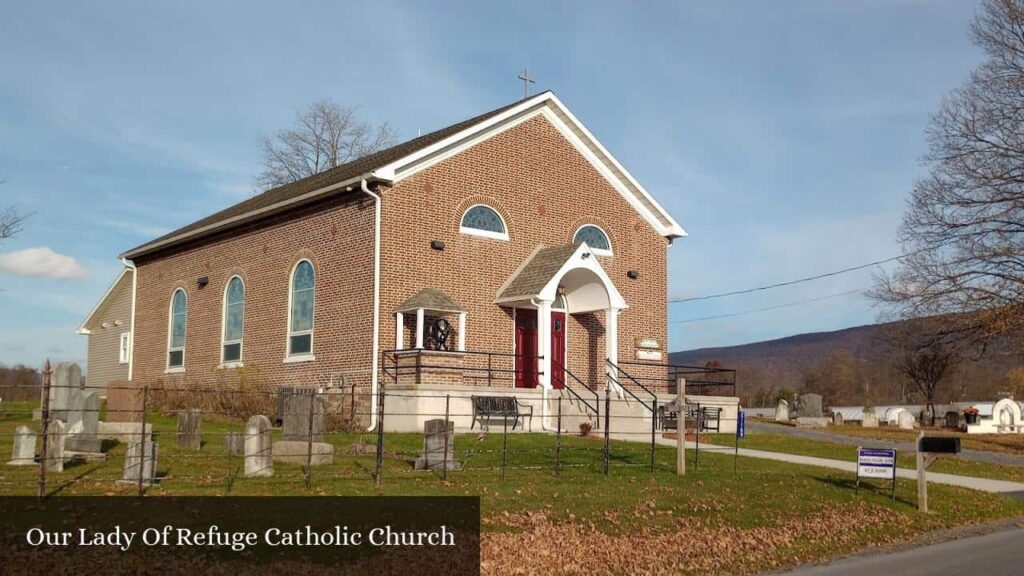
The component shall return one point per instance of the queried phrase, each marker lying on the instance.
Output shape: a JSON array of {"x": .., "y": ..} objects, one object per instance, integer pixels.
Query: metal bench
[
  {"x": 709, "y": 418},
  {"x": 487, "y": 407}
]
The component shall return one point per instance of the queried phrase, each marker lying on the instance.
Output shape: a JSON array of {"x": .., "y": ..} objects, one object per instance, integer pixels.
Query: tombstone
[
  {"x": 189, "y": 425},
  {"x": 810, "y": 405},
  {"x": 142, "y": 454},
  {"x": 24, "y": 451},
  {"x": 258, "y": 452},
  {"x": 437, "y": 435},
  {"x": 837, "y": 418},
  {"x": 296, "y": 418},
  {"x": 83, "y": 423},
  {"x": 234, "y": 443},
  {"x": 952, "y": 419},
  {"x": 905, "y": 420},
  {"x": 55, "y": 437},
  {"x": 782, "y": 411},
  {"x": 869, "y": 419},
  {"x": 67, "y": 378}
]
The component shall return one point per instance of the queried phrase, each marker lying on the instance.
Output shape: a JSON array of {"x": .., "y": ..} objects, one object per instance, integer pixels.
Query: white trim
[
  {"x": 298, "y": 358},
  {"x": 399, "y": 331},
  {"x": 170, "y": 333},
  {"x": 484, "y": 233},
  {"x": 420, "y": 326},
  {"x": 577, "y": 260},
  {"x": 224, "y": 325},
  {"x": 175, "y": 370},
  {"x": 229, "y": 365},
  {"x": 290, "y": 332},
  {"x": 88, "y": 319},
  {"x": 124, "y": 353},
  {"x": 598, "y": 251}
]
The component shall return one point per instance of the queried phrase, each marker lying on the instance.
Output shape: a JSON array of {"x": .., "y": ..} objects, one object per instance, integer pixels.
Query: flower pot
[{"x": 971, "y": 418}]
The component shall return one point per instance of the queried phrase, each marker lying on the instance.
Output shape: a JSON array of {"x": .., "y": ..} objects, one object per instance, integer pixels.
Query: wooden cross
[{"x": 525, "y": 77}]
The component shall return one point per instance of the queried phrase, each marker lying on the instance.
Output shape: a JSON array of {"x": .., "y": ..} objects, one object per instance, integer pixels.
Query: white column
[
  {"x": 462, "y": 332},
  {"x": 611, "y": 339},
  {"x": 419, "y": 328},
  {"x": 399, "y": 331},
  {"x": 544, "y": 341}
]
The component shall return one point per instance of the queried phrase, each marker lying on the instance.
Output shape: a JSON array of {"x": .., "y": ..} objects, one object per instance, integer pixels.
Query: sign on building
[{"x": 877, "y": 463}]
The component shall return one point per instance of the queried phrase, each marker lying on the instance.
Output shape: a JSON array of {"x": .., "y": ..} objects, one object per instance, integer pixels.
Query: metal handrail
[
  {"x": 390, "y": 366},
  {"x": 596, "y": 406},
  {"x": 673, "y": 371},
  {"x": 615, "y": 378}
]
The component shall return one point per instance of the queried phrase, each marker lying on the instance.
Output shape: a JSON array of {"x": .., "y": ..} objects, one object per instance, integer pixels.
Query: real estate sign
[{"x": 877, "y": 463}]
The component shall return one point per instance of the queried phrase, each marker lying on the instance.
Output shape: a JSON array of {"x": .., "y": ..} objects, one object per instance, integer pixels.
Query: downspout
[
  {"x": 135, "y": 282},
  {"x": 376, "y": 299},
  {"x": 544, "y": 415}
]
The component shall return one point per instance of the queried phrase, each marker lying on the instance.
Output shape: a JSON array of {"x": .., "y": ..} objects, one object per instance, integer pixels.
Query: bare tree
[
  {"x": 923, "y": 359},
  {"x": 325, "y": 135},
  {"x": 964, "y": 226},
  {"x": 11, "y": 220}
]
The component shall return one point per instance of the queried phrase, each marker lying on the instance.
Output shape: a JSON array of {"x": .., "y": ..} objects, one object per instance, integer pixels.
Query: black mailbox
[{"x": 940, "y": 445}]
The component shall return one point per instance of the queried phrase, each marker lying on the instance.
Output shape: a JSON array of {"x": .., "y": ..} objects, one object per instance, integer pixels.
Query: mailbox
[{"x": 939, "y": 445}]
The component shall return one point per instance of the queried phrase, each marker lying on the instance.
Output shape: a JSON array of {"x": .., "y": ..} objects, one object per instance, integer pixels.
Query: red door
[
  {"x": 526, "y": 348},
  {"x": 558, "y": 349}
]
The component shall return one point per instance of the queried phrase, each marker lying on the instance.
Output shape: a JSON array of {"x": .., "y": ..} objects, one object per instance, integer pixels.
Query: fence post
[
  {"x": 607, "y": 425},
  {"x": 309, "y": 441},
  {"x": 654, "y": 429},
  {"x": 444, "y": 459},
  {"x": 142, "y": 442},
  {"x": 504, "y": 446},
  {"x": 558, "y": 440},
  {"x": 380, "y": 436},
  {"x": 45, "y": 426},
  {"x": 696, "y": 452},
  {"x": 681, "y": 428}
]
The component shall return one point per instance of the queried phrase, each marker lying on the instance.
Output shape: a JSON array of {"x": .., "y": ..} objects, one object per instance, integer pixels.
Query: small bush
[{"x": 585, "y": 428}]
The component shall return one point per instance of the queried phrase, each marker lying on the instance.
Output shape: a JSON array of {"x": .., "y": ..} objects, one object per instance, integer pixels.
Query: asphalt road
[{"x": 998, "y": 554}]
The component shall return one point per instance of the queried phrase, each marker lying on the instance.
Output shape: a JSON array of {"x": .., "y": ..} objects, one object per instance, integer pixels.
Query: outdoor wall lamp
[
  {"x": 633, "y": 274},
  {"x": 202, "y": 281},
  {"x": 437, "y": 244}
]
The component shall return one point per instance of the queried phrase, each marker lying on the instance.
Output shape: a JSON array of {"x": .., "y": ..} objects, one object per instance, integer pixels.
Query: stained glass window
[
  {"x": 594, "y": 237},
  {"x": 179, "y": 316},
  {"x": 234, "y": 313},
  {"x": 300, "y": 329},
  {"x": 482, "y": 220}
]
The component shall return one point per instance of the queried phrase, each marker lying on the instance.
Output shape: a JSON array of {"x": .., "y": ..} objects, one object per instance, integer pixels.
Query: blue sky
[{"x": 784, "y": 136}]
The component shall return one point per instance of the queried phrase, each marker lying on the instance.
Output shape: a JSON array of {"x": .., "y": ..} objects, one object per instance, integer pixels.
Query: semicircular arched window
[
  {"x": 595, "y": 238},
  {"x": 234, "y": 318},
  {"x": 483, "y": 221}
]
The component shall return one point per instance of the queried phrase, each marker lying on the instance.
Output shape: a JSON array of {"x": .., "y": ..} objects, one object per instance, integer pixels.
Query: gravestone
[
  {"x": 905, "y": 420},
  {"x": 83, "y": 423},
  {"x": 55, "y": 437},
  {"x": 234, "y": 443},
  {"x": 258, "y": 454},
  {"x": 782, "y": 411},
  {"x": 24, "y": 451},
  {"x": 869, "y": 419},
  {"x": 810, "y": 405},
  {"x": 437, "y": 435},
  {"x": 837, "y": 418},
  {"x": 296, "y": 418},
  {"x": 142, "y": 454},
  {"x": 952, "y": 419},
  {"x": 189, "y": 425},
  {"x": 67, "y": 378}
]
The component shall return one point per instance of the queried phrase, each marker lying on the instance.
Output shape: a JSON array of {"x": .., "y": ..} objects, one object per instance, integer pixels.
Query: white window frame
[
  {"x": 597, "y": 251},
  {"x": 124, "y": 350},
  {"x": 484, "y": 233},
  {"x": 304, "y": 356},
  {"x": 224, "y": 327},
  {"x": 170, "y": 333}
]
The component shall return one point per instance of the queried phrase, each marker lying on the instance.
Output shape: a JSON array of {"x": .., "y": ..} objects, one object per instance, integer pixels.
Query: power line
[{"x": 787, "y": 305}]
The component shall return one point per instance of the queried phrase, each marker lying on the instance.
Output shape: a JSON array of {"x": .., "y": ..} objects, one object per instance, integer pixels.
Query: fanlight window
[
  {"x": 484, "y": 221},
  {"x": 300, "y": 318},
  {"x": 595, "y": 238},
  {"x": 176, "y": 341},
  {"x": 234, "y": 319}
]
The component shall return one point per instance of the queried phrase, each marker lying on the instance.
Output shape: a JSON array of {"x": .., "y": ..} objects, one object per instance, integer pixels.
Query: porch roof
[
  {"x": 538, "y": 271},
  {"x": 430, "y": 299}
]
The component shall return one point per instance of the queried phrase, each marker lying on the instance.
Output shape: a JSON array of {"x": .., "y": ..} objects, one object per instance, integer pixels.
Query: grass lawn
[
  {"x": 1007, "y": 443},
  {"x": 766, "y": 515},
  {"x": 779, "y": 442}
]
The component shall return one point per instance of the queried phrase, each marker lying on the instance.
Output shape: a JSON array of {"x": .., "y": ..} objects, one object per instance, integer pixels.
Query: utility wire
[{"x": 787, "y": 305}]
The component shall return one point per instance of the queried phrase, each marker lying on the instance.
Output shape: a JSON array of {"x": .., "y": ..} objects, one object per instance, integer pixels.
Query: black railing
[
  {"x": 594, "y": 407},
  {"x": 613, "y": 373},
  {"x": 700, "y": 380},
  {"x": 476, "y": 368}
]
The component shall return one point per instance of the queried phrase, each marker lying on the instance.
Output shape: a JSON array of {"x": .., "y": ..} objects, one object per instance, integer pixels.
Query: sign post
[
  {"x": 877, "y": 463},
  {"x": 681, "y": 428},
  {"x": 741, "y": 432},
  {"x": 928, "y": 451}
]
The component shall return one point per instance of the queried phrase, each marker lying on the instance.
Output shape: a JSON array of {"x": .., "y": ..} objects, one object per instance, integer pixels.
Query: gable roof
[
  {"x": 124, "y": 276},
  {"x": 535, "y": 275},
  {"x": 395, "y": 163},
  {"x": 430, "y": 299}
]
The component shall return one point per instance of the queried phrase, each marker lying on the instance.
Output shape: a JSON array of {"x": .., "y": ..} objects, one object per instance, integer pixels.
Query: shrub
[{"x": 585, "y": 428}]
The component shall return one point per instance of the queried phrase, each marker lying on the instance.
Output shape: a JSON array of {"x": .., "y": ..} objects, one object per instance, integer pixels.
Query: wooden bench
[{"x": 487, "y": 407}]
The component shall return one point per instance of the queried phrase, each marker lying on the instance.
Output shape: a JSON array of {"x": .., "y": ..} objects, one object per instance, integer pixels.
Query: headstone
[
  {"x": 810, "y": 405},
  {"x": 296, "y": 418},
  {"x": 24, "y": 451},
  {"x": 84, "y": 422},
  {"x": 189, "y": 425},
  {"x": 55, "y": 437},
  {"x": 124, "y": 401},
  {"x": 837, "y": 418},
  {"x": 142, "y": 454},
  {"x": 812, "y": 422},
  {"x": 952, "y": 419},
  {"x": 258, "y": 454},
  {"x": 782, "y": 411},
  {"x": 869, "y": 419},
  {"x": 905, "y": 420},
  {"x": 234, "y": 443},
  {"x": 437, "y": 435},
  {"x": 67, "y": 378}
]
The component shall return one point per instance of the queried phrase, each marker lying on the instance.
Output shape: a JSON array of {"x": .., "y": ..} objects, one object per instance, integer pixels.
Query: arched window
[
  {"x": 234, "y": 321},
  {"x": 483, "y": 221},
  {"x": 595, "y": 238},
  {"x": 176, "y": 331},
  {"x": 300, "y": 317}
]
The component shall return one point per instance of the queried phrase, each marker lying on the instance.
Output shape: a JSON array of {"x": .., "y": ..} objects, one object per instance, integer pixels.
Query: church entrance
[
  {"x": 558, "y": 349},
  {"x": 526, "y": 348}
]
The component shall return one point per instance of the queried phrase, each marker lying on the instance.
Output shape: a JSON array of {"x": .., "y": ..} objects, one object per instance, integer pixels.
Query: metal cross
[{"x": 525, "y": 77}]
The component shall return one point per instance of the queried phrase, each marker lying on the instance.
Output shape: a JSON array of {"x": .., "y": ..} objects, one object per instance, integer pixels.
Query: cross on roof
[{"x": 525, "y": 77}]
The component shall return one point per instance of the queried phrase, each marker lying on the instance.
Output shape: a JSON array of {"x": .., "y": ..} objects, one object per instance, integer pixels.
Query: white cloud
[{"x": 41, "y": 262}]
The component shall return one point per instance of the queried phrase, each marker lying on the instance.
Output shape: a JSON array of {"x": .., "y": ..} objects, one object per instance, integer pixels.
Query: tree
[
  {"x": 963, "y": 229},
  {"x": 325, "y": 135},
  {"x": 924, "y": 360},
  {"x": 11, "y": 220}
]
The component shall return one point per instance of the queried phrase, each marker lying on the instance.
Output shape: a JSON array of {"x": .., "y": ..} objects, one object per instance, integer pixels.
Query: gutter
[
  {"x": 376, "y": 298},
  {"x": 131, "y": 338}
]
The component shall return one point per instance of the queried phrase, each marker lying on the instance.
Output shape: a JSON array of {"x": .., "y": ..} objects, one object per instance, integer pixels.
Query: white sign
[
  {"x": 652, "y": 355},
  {"x": 876, "y": 463}
]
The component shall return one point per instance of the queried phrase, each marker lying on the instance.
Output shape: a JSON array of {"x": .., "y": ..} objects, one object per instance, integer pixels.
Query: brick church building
[{"x": 510, "y": 251}]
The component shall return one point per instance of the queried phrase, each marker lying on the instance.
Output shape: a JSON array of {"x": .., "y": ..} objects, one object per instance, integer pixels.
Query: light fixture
[
  {"x": 202, "y": 281},
  {"x": 633, "y": 274},
  {"x": 437, "y": 244}
]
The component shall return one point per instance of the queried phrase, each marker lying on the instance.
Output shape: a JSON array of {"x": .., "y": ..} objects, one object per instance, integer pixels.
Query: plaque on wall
[
  {"x": 655, "y": 355},
  {"x": 648, "y": 343}
]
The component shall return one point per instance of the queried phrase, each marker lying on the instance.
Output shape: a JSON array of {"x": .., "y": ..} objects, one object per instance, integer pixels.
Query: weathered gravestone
[
  {"x": 190, "y": 423},
  {"x": 24, "y": 451},
  {"x": 810, "y": 405},
  {"x": 952, "y": 419},
  {"x": 258, "y": 455},
  {"x": 83, "y": 423},
  {"x": 144, "y": 455},
  {"x": 55, "y": 437},
  {"x": 837, "y": 418},
  {"x": 234, "y": 443},
  {"x": 782, "y": 411},
  {"x": 300, "y": 419},
  {"x": 905, "y": 420},
  {"x": 67, "y": 378},
  {"x": 438, "y": 435},
  {"x": 869, "y": 419}
]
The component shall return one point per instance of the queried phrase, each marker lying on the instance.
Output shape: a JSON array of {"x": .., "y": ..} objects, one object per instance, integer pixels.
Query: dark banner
[{"x": 236, "y": 535}]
